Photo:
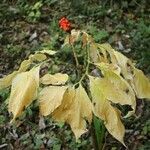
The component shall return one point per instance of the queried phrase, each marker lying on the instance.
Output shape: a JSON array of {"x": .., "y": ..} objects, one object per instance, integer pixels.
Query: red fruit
[{"x": 64, "y": 24}]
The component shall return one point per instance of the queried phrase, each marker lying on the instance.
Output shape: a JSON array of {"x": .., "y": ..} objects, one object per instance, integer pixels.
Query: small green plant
[
  {"x": 34, "y": 14},
  {"x": 31, "y": 12}
]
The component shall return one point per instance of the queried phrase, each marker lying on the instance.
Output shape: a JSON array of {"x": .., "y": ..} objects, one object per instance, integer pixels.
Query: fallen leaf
[{"x": 41, "y": 123}]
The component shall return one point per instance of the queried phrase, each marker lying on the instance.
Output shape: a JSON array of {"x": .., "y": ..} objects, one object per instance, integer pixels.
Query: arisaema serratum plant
[{"x": 108, "y": 78}]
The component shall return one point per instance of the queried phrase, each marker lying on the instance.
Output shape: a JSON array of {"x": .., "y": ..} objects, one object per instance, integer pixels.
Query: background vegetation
[{"x": 29, "y": 25}]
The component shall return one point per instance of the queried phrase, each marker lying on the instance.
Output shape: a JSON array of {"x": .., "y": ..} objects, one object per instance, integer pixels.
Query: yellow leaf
[
  {"x": 141, "y": 84},
  {"x": 86, "y": 39},
  {"x": 56, "y": 79},
  {"x": 37, "y": 57},
  {"x": 109, "y": 67},
  {"x": 125, "y": 65},
  {"x": 7, "y": 80},
  {"x": 23, "y": 91},
  {"x": 47, "y": 51},
  {"x": 112, "y": 81},
  {"x": 103, "y": 109},
  {"x": 107, "y": 53},
  {"x": 73, "y": 37},
  {"x": 51, "y": 98},
  {"x": 94, "y": 54},
  {"x": 66, "y": 41},
  {"x": 135, "y": 77},
  {"x": 102, "y": 53},
  {"x": 75, "y": 109},
  {"x": 24, "y": 65},
  {"x": 62, "y": 112}
]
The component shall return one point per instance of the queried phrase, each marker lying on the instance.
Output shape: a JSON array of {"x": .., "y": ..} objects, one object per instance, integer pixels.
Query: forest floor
[{"x": 26, "y": 28}]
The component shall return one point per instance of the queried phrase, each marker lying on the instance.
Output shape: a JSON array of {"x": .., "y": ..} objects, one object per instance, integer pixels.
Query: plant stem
[
  {"x": 75, "y": 56},
  {"x": 88, "y": 60},
  {"x": 87, "y": 67}
]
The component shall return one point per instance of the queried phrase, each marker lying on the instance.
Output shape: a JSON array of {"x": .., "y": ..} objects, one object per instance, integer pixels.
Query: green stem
[
  {"x": 87, "y": 68},
  {"x": 75, "y": 56}
]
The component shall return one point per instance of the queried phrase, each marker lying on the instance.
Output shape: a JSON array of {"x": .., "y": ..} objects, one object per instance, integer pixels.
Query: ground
[{"x": 30, "y": 26}]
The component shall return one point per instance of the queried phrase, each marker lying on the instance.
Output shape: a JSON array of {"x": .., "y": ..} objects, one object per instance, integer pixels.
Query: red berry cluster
[{"x": 64, "y": 24}]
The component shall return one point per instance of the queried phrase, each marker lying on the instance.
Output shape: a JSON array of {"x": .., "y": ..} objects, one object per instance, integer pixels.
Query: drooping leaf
[
  {"x": 75, "y": 109},
  {"x": 50, "y": 98},
  {"x": 94, "y": 54},
  {"x": 62, "y": 112},
  {"x": 23, "y": 91},
  {"x": 107, "y": 53},
  {"x": 37, "y": 57},
  {"x": 73, "y": 37},
  {"x": 115, "y": 88},
  {"x": 56, "y": 79},
  {"x": 141, "y": 84},
  {"x": 47, "y": 51},
  {"x": 104, "y": 67},
  {"x": 137, "y": 80},
  {"x": 103, "y": 109},
  {"x": 24, "y": 65},
  {"x": 125, "y": 65},
  {"x": 86, "y": 39},
  {"x": 7, "y": 80},
  {"x": 102, "y": 53}
]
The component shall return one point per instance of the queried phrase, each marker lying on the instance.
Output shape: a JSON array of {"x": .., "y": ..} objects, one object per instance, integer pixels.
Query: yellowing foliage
[
  {"x": 50, "y": 98},
  {"x": 23, "y": 91},
  {"x": 115, "y": 87},
  {"x": 119, "y": 83},
  {"x": 47, "y": 51},
  {"x": 7, "y": 80},
  {"x": 56, "y": 79},
  {"x": 141, "y": 84},
  {"x": 75, "y": 109},
  {"x": 104, "y": 110},
  {"x": 37, "y": 57}
]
